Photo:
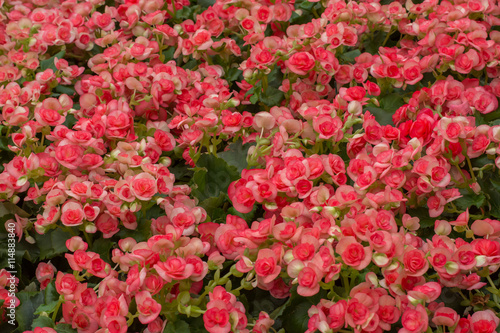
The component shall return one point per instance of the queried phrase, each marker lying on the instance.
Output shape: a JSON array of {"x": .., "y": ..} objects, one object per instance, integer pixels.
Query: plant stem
[{"x": 54, "y": 315}]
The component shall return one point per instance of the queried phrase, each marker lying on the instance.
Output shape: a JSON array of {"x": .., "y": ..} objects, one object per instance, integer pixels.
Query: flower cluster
[{"x": 250, "y": 166}]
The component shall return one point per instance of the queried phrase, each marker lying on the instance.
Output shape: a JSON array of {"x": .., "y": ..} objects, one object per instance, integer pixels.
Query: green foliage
[
  {"x": 236, "y": 156},
  {"x": 53, "y": 243},
  {"x": 64, "y": 328},
  {"x": 272, "y": 97},
  {"x": 349, "y": 57},
  {"x": 388, "y": 105},
  {"x": 49, "y": 63},
  {"x": 212, "y": 176},
  {"x": 103, "y": 247},
  {"x": 469, "y": 199},
  {"x": 30, "y": 301},
  {"x": 213, "y": 207},
  {"x": 295, "y": 316},
  {"x": 490, "y": 187},
  {"x": 178, "y": 326},
  {"x": 42, "y": 321}
]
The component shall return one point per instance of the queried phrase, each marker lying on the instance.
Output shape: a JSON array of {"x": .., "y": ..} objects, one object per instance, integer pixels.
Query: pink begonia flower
[
  {"x": 216, "y": 318},
  {"x": 148, "y": 308},
  {"x": 414, "y": 320},
  {"x": 445, "y": 316},
  {"x": 484, "y": 322},
  {"x": 174, "y": 268},
  {"x": 353, "y": 253},
  {"x": 301, "y": 63}
]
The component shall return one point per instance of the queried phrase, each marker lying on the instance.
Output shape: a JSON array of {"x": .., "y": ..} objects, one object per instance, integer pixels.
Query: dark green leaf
[
  {"x": 190, "y": 64},
  {"x": 64, "y": 328},
  {"x": 65, "y": 90},
  {"x": 49, "y": 63},
  {"x": 388, "y": 105},
  {"x": 295, "y": 318},
  {"x": 213, "y": 207},
  {"x": 375, "y": 41},
  {"x": 49, "y": 308},
  {"x": 490, "y": 185},
  {"x": 102, "y": 247},
  {"x": 206, "y": 3},
  {"x": 213, "y": 176},
  {"x": 233, "y": 74},
  {"x": 391, "y": 102},
  {"x": 349, "y": 57},
  {"x": 42, "y": 321},
  {"x": 179, "y": 326},
  {"x": 307, "y": 5},
  {"x": 275, "y": 78},
  {"x": 143, "y": 231},
  {"x": 168, "y": 54},
  {"x": 51, "y": 293},
  {"x": 70, "y": 121},
  {"x": 382, "y": 116},
  {"x": 30, "y": 301},
  {"x": 254, "y": 98},
  {"x": 468, "y": 200},
  {"x": 236, "y": 155},
  {"x": 249, "y": 217},
  {"x": 271, "y": 97},
  {"x": 52, "y": 243}
]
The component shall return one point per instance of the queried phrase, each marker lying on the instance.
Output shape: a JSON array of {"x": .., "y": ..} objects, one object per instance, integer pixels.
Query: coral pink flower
[
  {"x": 353, "y": 253},
  {"x": 148, "y": 308},
  {"x": 414, "y": 320},
  {"x": 216, "y": 318},
  {"x": 484, "y": 322}
]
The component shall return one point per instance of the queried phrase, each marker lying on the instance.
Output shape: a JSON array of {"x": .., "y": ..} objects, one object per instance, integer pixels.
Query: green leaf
[
  {"x": 30, "y": 301},
  {"x": 233, "y": 74},
  {"x": 271, "y": 97},
  {"x": 213, "y": 207},
  {"x": 374, "y": 41},
  {"x": 179, "y": 326},
  {"x": 249, "y": 217},
  {"x": 42, "y": 321},
  {"x": 236, "y": 155},
  {"x": 295, "y": 318},
  {"x": 490, "y": 185},
  {"x": 51, "y": 293},
  {"x": 349, "y": 57},
  {"x": 65, "y": 90},
  {"x": 388, "y": 105},
  {"x": 468, "y": 200},
  {"x": 168, "y": 54},
  {"x": 52, "y": 243},
  {"x": 102, "y": 247},
  {"x": 212, "y": 177},
  {"x": 492, "y": 118},
  {"x": 70, "y": 121},
  {"x": 190, "y": 64},
  {"x": 143, "y": 231},
  {"x": 275, "y": 77},
  {"x": 307, "y": 5},
  {"x": 64, "y": 328},
  {"x": 49, "y": 63},
  {"x": 49, "y": 308},
  {"x": 254, "y": 98},
  {"x": 381, "y": 116},
  {"x": 206, "y": 3},
  {"x": 391, "y": 102}
]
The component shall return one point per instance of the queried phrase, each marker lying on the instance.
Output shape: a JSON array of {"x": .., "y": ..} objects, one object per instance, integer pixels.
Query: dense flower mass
[{"x": 250, "y": 166}]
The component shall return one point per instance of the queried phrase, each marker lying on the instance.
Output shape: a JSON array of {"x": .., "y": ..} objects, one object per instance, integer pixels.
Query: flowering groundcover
[{"x": 249, "y": 166}]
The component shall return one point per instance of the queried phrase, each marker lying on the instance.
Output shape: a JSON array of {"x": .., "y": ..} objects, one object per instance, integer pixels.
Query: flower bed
[{"x": 249, "y": 166}]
